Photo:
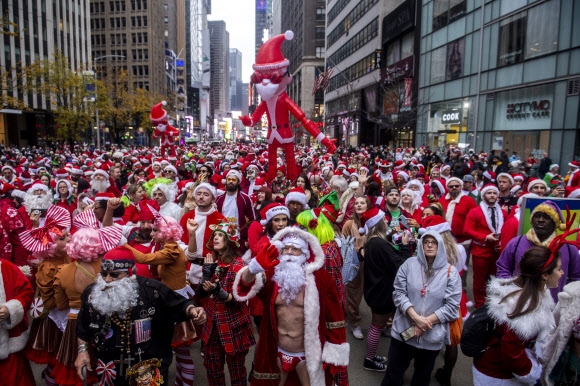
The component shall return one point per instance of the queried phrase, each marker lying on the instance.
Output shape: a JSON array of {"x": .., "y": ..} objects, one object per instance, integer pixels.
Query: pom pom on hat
[
  {"x": 289, "y": 35},
  {"x": 551, "y": 209}
]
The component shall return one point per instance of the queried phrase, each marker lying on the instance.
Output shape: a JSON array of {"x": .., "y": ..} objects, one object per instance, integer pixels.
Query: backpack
[
  {"x": 351, "y": 264},
  {"x": 478, "y": 333}
]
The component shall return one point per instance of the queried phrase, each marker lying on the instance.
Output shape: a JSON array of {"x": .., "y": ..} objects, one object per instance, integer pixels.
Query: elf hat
[
  {"x": 270, "y": 55},
  {"x": 230, "y": 230}
]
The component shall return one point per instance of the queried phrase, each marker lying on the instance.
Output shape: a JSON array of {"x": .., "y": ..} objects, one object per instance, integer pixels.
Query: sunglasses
[
  {"x": 168, "y": 171},
  {"x": 113, "y": 275},
  {"x": 453, "y": 186},
  {"x": 275, "y": 77}
]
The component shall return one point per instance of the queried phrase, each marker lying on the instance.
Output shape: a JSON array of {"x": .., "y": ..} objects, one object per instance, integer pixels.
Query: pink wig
[
  {"x": 85, "y": 245},
  {"x": 169, "y": 230}
]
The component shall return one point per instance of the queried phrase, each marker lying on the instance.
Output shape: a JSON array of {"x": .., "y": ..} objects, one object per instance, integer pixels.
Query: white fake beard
[
  {"x": 43, "y": 201},
  {"x": 418, "y": 196},
  {"x": 114, "y": 297},
  {"x": 268, "y": 91},
  {"x": 100, "y": 186},
  {"x": 290, "y": 276}
]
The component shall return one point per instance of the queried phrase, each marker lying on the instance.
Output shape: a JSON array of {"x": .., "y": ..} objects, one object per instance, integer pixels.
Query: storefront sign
[
  {"x": 450, "y": 117},
  {"x": 398, "y": 71},
  {"x": 526, "y": 110}
]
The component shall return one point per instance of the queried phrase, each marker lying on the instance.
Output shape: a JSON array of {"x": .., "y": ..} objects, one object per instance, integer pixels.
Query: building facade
[
  {"x": 501, "y": 75},
  {"x": 353, "y": 51},
  {"x": 236, "y": 80},
  {"x": 39, "y": 30},
  {"x": 306, "y": 54},
  {"x": 220, "y": 69}
]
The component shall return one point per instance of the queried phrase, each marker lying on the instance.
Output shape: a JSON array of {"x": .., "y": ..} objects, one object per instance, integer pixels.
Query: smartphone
[
  {"x": 403, "y": 220},
  {"x": 408, "y": 333},
  {"x": 42, "y": 212}
]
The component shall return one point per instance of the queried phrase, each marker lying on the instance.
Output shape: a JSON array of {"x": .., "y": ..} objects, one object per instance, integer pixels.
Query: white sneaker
[{"x": 357, "y": 333}]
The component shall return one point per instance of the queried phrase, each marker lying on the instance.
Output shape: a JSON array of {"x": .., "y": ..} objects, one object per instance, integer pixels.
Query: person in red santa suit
[
  {"x": 16, "y": 295},
  {"x": 573, "y": 177},
  {"x": 483, "y": 225},
  {"x": 271, "y": 77},
  {"x": 204, "y": 215},
  {"x": 303, "y": 334},
  {"x": 163, "y": 130}
]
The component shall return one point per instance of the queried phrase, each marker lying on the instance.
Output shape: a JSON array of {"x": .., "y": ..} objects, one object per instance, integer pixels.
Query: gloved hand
[
  {"x": 208, "y": 271},
  {"x": 266, "y": 259},
  {"x": 329, "y": 144},
  {"x": 219, "y": 293},
  {"x": 246, "y": 120}
]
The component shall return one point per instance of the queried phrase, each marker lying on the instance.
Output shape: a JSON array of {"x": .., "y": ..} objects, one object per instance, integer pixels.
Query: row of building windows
[
  {"x": 118, "y": 39},
  {"x": 97, "y": 40},
  {"x": 357, "y": 42},
  {"x": 334, "y": 11},
  {"x": 344, "y": 26},
  {"x": 144, "y": 85},
  {"x": 320, "y": 14},
  {"x": 140, "y": 54},
  {"x": 141, "y": 70},
  {"x": 118, "y": 22},
  {"x": 117, "y": 6},
  {"x": 139, "y": 38},
  {"x": 138, "y": 21},
  {"x": 350, "y": 74},
  {"x": 447, "y": 11}
]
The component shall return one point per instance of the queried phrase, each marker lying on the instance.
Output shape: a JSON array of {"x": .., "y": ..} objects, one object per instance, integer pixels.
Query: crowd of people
[{"x": 127, "y": 256}]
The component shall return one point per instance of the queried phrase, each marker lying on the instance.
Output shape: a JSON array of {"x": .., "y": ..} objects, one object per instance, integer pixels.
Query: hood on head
[{"x": 440, "y": 259}]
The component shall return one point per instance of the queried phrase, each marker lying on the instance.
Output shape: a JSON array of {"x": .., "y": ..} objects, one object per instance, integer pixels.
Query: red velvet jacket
[
  {"x": 477, "y": 230},
  {"x": 462, "y": 208}
]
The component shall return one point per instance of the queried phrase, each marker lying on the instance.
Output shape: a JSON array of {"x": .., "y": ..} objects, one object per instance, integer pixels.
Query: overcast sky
[{"x": 239, "y": 16}]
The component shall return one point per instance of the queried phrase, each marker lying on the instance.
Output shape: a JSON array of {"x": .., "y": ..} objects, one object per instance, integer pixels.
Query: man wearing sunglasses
[
  {"x": 130, "y": 318},
  {"x": 271, "y": 78}
]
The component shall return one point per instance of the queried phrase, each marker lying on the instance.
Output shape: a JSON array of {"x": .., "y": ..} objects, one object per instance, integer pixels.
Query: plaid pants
[{"x": 214, "y": 359}]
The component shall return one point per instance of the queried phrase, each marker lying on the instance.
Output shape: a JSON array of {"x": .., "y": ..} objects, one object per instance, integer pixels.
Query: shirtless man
[{"x": 288, "y": 279}]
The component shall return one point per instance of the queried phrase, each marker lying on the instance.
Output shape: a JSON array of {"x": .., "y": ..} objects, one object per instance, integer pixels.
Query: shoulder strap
[
  {"x": 87, "y": 273},
  {"x": 516, "y": 248}
]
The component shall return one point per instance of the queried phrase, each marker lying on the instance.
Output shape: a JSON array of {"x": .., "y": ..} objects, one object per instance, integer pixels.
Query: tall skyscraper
[
  {"x": 39, "y": 29},
  {"x": 263, "y": 23},
  {"x": 220, "y": 68},
  {"x": 235, "y": 79}
]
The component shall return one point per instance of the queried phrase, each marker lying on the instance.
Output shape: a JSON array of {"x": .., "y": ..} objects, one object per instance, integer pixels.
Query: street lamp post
[{"x": 96, "y": 104}]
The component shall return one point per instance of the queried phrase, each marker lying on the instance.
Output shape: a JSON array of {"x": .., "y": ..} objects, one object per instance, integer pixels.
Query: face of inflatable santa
[
  {"x": 159, "y": 116},
  {"x": 271, "y": 68}
]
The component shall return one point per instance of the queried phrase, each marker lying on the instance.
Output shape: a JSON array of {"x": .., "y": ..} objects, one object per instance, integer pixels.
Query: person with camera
[
  {"x": 427, "y": 292},
  {"x": 382, "y": 261}
]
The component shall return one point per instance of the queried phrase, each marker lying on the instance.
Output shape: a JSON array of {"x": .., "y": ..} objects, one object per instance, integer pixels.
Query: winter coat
[
  {"x": 513, "y": 361},
  {"x": 566, "y": 313},
  {"x": 442, "y": 296}
]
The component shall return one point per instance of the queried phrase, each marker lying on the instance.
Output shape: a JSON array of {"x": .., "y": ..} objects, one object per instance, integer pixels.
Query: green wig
[{"x": 320, "y": 227}]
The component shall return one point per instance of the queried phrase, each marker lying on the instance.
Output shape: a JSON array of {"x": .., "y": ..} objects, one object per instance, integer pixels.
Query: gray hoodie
[{"x": 442, "y": 296}]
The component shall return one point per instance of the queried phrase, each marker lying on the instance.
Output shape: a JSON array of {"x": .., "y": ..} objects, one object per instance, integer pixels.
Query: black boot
[{"x": 443, "y": 376}]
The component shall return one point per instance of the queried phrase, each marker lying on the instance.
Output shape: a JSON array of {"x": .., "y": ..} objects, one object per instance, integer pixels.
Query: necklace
[
  {"x": 125, "y": 327},
  {"x": 424, "y": 289}
]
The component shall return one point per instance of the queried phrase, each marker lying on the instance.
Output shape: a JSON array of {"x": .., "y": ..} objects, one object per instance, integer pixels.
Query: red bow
[
  {"x": 43, "y": 234},
  {"x": 108, "y": 372}
]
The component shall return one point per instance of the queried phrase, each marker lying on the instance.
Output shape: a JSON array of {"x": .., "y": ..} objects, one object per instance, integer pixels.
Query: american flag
[
  {"x": 326, "y": 78},
  {"x": 142, "y": 330},
  {"x": 319, "y": 76}
]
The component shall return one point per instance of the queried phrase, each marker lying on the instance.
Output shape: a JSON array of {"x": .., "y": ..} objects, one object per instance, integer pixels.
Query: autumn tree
[{"x": 66, "y": 92}]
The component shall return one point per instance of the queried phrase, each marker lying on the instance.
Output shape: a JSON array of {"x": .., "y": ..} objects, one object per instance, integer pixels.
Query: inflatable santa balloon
[
  {"x": 163, "y": 129},
  {"x": 271, "y": 77}
]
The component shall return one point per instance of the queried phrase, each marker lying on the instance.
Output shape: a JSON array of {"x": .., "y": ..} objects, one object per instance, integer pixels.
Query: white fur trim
[
  {"x": 312, "y": 242},
  {"x": 16, "y": 313},
  {"x": 336, "y": 354},
  {"x": 101, "y": 172},
  {"x": 536, "y": 324},
  {"x": 297, "y": 197},
  {"x": 206, "y": 186},
  {"x": 320, "y": 137},
  {"x": 256, "y": 287},
  {"x": 535, "y": 373},
  {"x": 313, "y": 349},
  {"x": 254, "y": 267},
  {"x": 247, "y": 256},
  {"x": 11, "y": 345}
]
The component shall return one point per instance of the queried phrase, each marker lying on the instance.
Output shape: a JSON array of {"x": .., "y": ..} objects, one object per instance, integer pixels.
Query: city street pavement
[{"x": 357, "y": 375}]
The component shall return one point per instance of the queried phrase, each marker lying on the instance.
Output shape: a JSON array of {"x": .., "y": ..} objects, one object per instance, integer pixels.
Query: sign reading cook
[{"x": 450, "y": 116}]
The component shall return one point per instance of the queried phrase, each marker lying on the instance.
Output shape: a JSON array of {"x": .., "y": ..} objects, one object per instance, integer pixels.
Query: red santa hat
[
  {"x": 400, "y": 164},
  {"x": 455, "y": 179},
  {"x": 489, "y": 187},
  {"x": 572, "y": 192},
  {"x": 574, "y": 164},
  {"x": 37, "y": 186},
  {"x": 61, "y": 173},
  {"x": 297, "y": 194},
  {"x": 270, "y": 55},
  {"x": 272, "y": 210},
  {"x": 158, "y": 113},
  {"x": 207, "y": 186},
  {"x": 145, "y": 213},
  {"x": 234, "y": 173},
  {"x": 104, "y": 196},
  {"x": 489, "y": 175},
  {"x": 403, "y": 174},
  {"x": 369, "y": 219},
  {"x": 25, "y": 177},
  {"x": 434, "y": 223},
  {"x": 508, "y": 176},
  {"x": 519, "y": 177},
  {"x": 537, "y": 181}
]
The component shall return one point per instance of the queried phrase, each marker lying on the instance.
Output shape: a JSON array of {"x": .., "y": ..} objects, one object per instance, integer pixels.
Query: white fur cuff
[
  {"x": 255, "y": 267},
  {"x": 256, "y": 287},
  {"x": 336, "y": 354},
  {"x": 535, "y": 373},
  {"x": 16, "y": 312}
]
